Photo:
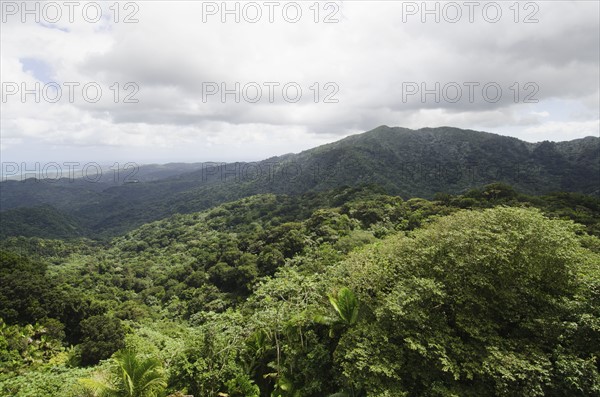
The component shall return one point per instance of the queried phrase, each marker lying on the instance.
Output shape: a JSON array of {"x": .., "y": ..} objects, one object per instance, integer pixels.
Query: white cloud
[
  {"x": 369, "y": 54},
  {"x": 560, "y": 131}
]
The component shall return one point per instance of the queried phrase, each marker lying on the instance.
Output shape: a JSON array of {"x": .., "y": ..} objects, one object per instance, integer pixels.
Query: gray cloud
[{"x": 371, "y": 56}]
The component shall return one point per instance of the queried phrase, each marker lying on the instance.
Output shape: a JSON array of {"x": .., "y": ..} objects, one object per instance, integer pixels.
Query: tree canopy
[{"x": 348, "y": 292}]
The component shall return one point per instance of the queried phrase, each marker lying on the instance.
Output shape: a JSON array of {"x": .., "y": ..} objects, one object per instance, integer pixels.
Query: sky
[{"x": 195, "y": 81}]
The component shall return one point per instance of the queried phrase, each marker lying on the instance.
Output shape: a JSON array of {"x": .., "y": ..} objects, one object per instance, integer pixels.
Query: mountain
[
  {"x": 423, "y": 162},
  {"x": 409, "y": 163}
]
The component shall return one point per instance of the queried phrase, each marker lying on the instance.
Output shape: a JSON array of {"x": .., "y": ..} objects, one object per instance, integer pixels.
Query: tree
[
  {"x": 129, "y": 376},
  {"x": 24, "y": 289},
  {"x": 495, "y": 302},
  {"x": 101, "y": 336},
  {"x": 289, "y": 354},
  {"x": 210, "y": 357},
  {"x": 29, "y": 346}
]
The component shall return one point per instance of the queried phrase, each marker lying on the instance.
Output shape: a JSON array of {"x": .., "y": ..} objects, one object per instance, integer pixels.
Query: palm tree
[
  {"x": 346, "y": 306},
  {"x": 129, "y": 376}
]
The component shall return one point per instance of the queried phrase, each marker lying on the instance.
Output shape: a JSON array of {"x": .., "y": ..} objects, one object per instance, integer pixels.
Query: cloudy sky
[{"x": 164, "y": 81}]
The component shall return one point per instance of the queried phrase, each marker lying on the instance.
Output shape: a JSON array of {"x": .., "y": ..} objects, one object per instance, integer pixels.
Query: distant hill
[
  {"x": 409, "y": 163},
  {"x": 44, "y": 221},
  {"x": 430, "y": 160}
]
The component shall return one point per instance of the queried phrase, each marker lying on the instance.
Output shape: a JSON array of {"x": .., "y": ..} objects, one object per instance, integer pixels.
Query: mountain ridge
[{"x": 404, "y": 162}]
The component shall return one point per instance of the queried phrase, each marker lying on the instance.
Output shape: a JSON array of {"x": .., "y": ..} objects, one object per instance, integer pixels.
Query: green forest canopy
[{"x": 349, "y": 292}]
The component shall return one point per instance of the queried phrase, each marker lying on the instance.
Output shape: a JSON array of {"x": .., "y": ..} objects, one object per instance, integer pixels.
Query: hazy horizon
[{"x": 107, "y": 163}]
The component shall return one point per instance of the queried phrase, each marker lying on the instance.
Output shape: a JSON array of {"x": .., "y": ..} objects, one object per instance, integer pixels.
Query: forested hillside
[
  {"x": 342, "y": 292},
  {"x": 404, "y": 162}
]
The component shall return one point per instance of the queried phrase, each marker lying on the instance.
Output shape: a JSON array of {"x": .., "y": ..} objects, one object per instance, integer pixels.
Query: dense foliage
[{"x": 346, "y": 292}]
